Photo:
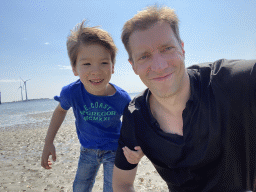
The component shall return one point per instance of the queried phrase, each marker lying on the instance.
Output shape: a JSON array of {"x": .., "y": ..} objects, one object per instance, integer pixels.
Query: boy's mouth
[{"x": 96, "y": 81}]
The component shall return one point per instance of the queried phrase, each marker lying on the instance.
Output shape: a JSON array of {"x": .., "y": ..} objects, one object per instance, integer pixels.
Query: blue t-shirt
[{"x": 98, "y": 118}]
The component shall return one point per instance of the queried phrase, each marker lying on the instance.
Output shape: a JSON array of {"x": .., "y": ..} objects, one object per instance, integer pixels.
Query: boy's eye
[
  {"x": 105, "y": 63},
  {"x": 87, "y": 64}
]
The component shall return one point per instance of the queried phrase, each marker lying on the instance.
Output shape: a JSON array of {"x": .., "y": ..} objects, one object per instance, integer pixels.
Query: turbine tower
[
  {"x": 21, "y": 91},
  {"x": 25, "y": 84}
]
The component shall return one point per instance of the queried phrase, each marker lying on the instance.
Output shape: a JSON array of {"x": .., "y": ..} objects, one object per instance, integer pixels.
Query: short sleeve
[
  {"x": 64, "y": 98},
  {"x": 127, "y": 138}
]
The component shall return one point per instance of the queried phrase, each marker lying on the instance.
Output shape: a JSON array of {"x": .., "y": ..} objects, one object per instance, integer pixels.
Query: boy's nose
[
  {"x": 95, "y": 70},
  {"x": 158, "y": 63}
]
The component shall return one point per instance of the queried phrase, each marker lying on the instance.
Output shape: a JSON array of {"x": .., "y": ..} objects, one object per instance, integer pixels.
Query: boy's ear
[
  {"x": 74, "y": 71},
  {"x": 133, "y": 67}
]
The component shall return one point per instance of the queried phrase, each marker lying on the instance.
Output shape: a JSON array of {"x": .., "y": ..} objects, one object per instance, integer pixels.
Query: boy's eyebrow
[
  {"x": 106, "y": 58},
  {"x": 81, "y": 59},
  {"x": 85, "y": 58}
]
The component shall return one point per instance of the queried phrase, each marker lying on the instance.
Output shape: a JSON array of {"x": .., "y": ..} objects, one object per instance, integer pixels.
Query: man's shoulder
[
  {"x": 232, "y": 72},
  {"x": 138, "y": 101},
  {"x": 133, "y": 117},
  {"x": 229, "y": 77},
  {"x": 224, "y": 70},
  {"x": 225, "y": 66}
]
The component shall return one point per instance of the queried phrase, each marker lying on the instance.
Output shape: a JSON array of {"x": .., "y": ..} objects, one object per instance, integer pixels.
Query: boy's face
[{"x": 94, "y": 67}]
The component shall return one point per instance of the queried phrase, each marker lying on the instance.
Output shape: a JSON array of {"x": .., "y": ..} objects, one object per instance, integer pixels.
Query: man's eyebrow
[
  {"x": 169, "y": 43},
  {"x": 141, "y": 54},
  {"x": 166, "y": 44}
]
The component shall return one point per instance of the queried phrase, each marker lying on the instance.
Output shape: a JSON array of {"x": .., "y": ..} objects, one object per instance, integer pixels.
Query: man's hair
[
  {"x": 144, "y": 19},
  {"x": 82, "y": 35}
]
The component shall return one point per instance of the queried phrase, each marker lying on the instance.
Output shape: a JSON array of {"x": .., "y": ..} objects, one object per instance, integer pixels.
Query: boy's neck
[{"x": 110, "y": 90}]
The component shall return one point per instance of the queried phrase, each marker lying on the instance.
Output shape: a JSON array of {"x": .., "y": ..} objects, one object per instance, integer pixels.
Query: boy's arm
[
  {"x": 131, "y": 156},
  {"x": 123, "y": 179},
  {"x": 49, "y": 149}
]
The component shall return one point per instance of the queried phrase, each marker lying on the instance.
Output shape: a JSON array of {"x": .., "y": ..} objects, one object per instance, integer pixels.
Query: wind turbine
[
  {"x": 21, "y": 91},
  {"x": 25, "y": 84}
]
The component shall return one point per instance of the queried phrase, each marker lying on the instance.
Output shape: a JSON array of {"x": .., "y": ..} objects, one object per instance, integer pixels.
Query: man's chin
[{"x": 163, "y": 94}]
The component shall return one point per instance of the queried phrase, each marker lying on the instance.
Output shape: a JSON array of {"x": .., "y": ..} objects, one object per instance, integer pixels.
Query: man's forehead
[
  {"x": 145, "y": 43},
  {"x": 157, "y": 33}
]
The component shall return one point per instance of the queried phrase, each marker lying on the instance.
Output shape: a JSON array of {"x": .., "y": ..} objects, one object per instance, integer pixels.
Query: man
[{"x": 197, "y": 125}]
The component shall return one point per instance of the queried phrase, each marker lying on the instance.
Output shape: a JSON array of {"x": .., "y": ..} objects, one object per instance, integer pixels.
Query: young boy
[{"x": 97, "y": 106}]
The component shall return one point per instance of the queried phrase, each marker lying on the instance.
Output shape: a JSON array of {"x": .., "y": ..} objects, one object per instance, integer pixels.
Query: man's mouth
[{"x": 163, "y": 77}]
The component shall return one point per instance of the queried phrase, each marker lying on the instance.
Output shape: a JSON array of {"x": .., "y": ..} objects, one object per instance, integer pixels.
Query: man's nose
[{"x": 158, "y": 62}]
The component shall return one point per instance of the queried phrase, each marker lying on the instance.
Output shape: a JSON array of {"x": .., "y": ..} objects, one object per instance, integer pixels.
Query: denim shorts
[{"x": 88, "y": 166}]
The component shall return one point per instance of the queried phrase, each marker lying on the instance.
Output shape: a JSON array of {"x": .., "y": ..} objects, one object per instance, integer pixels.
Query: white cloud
[
  {"x": 47, "y": 43},
  {"x": 65, "y": 67},
  {"x": 8, "y": 80}
]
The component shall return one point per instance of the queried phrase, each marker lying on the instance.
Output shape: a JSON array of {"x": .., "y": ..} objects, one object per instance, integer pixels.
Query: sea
[{"x": 18, "y": 113}]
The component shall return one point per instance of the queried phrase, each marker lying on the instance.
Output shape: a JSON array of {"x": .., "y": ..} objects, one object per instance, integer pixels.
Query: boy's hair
[
  {"x": 82, "y": 35},
  {"x": 144, "y": 19}
]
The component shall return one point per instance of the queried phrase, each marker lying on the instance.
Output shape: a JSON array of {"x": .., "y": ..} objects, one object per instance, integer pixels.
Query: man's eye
[
  {"x": 87, "y": 64},
  {"x": 105, "y": 63},
  {"x": 167, "y": 48}
]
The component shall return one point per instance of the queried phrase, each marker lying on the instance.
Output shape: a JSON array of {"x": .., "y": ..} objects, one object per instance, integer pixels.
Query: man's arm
[
  {"x": 123, "y": 179},
  {"x": 253, "y": 88},
  {"x": 124, "y": 172}
]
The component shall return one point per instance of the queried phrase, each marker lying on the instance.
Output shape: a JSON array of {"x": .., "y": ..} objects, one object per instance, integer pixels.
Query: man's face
[{"x": 158, "y": 58}]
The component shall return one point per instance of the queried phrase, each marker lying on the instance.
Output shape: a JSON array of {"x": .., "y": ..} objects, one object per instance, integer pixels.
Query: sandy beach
[{"x": 20, "y": 160}]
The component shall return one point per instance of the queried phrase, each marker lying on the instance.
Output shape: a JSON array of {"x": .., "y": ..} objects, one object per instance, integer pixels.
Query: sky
[{"x": 33, "y": 36}]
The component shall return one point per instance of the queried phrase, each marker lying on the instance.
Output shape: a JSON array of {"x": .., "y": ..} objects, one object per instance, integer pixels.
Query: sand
[{"x": 20, "y": 160}]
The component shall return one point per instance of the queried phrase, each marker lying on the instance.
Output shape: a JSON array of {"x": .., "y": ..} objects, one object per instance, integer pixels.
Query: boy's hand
[
  {"x": 133, "y": 157},
  {"x": 49, "y": 149}
]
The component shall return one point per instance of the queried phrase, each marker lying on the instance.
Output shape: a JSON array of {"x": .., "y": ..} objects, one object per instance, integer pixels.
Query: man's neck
[{"x": 175, "y": 103}]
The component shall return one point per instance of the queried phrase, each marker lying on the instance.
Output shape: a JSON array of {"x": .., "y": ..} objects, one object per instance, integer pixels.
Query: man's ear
[
  {"x": 113, "y": 68},
  {"x": 182, "y": 47},
  {"x": 133, "y": 67}
]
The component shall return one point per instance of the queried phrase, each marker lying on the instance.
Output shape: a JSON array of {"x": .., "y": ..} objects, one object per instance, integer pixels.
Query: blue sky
[{"x": 33, "y": 37}]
